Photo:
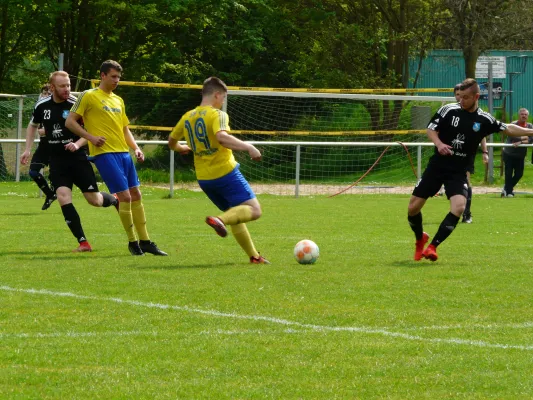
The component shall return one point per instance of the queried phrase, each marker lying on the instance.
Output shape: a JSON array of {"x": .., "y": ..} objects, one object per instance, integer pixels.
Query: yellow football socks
[
  {"x": 242, "y": 236},
  {"x": 139, "y": 219},
  {"x": 124, "y": 212},
  {"x": 237, "y": 215}
]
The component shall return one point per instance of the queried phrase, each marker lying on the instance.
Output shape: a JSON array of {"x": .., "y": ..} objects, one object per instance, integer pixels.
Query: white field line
[
  {"x": 278, "y": 321},
  {"x": 470, "y": 326},
  {"x": 249, "y": 331}
]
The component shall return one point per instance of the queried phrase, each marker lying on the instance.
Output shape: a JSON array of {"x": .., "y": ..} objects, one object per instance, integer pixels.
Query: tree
[
  {"x": 475, "y": 26},
  {"x": 88, "y": 32},
  {"x": 17, "y": 38},
  {"x": 366, "y": 44}
]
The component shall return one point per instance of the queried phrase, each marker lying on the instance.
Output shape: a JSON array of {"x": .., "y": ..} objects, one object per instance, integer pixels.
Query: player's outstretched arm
[
  {"x": 232, "y": 143},
  {"x": 72, "y": 125},
  {"x": 30, "y": 137},
  {"x": 515, "y": 130}
]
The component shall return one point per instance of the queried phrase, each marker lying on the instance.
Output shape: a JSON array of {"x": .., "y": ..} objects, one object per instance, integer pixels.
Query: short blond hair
[{"x": 56, "y": 73}]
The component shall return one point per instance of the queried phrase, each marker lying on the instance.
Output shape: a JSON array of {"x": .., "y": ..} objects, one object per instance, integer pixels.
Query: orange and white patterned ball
[{"x": 306, "y": 252}]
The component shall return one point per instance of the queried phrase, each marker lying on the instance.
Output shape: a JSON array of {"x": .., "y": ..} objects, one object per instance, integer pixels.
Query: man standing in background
[{"x": 513, "y": 157}]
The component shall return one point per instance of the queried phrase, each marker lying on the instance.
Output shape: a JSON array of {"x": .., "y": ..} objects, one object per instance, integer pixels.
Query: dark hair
[
  {"x": 109, "y": 65},
  {"x": 45, "y": 88},
  {"x": 456, "y": 88},
  {"x": 212, "y": 85},
  {"x": 470, "y": 83}
]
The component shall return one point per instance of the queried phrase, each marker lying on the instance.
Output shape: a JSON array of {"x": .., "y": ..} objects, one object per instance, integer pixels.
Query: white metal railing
[
  {"x": 19, "y": 127},
  {"x": 298, "y": 145}
]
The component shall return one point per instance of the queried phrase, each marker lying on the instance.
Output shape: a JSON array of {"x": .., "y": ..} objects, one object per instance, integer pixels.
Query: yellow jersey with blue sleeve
[
  {"x": 199, "y": 127},
  {"x": 104, "y": 114}
]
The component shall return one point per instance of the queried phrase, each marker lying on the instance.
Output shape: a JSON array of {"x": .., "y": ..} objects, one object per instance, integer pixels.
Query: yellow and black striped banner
[
  {"x": 295, "y": 133},
  {"x": 330, "y": 133},
  {"x": 289, "y": 90}
]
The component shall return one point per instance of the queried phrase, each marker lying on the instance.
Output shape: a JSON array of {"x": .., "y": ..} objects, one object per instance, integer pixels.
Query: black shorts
[
  {"x": 455, "y": 183},
  {"x": 69, "y": 172},
  {"x": 40, "y": 158}
]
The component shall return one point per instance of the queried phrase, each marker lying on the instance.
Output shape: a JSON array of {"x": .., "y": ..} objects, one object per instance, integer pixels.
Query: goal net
[
  {"x": 312, "y": 142},
  {"x": 334, "y": 141}
]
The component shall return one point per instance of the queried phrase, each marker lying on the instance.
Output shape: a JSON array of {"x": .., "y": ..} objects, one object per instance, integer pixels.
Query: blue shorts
[
  {"x": 117, "y": 171},
  {"x": 228, "y": 191}
]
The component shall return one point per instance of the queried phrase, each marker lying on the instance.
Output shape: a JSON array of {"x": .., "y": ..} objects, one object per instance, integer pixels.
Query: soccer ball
[{"x": 306, "y": 252}]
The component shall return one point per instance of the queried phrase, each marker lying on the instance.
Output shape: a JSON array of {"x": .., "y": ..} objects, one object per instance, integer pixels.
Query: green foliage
[
  {"x": 18, "y": 44},
  {"x": 344, "y": 164},
  {"x": 155, "y": 167},
  {"x": 157, "y": 107},
  {"x": 29, "y": 77},
  {"x": 306, "y": 43},
  {"x": 149, "y": 175}
]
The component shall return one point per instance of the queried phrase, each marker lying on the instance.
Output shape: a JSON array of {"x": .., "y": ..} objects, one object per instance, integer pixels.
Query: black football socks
[
  {"x": 445, "y": 229},
  {"x": 73, "y": 221},
  {"x": 416, "y": 225}
]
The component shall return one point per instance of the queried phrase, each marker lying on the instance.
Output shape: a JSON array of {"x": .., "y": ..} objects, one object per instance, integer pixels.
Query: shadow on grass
[
  {"x": 188, "y": 266},
  {"x": 19, "y": 214},
  {"x": 46, "y": 255},
  {"x": 414, "y": 264},
  {"x": 125, "y": 260}
]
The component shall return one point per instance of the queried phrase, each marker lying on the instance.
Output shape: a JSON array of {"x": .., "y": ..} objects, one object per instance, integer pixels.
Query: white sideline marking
[
  {"x": 459, "y": 326},
  {"x": 247, "y": 332},
  {"x": 319, "y": 328}
]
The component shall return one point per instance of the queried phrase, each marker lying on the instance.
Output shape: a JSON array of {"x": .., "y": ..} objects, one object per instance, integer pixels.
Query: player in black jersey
[
  {"x": 456, "y": 130},
  {"x": 467, "y": 215},
  {"x": 39, "y": 159},
  {"x": 68, "y": 158}
]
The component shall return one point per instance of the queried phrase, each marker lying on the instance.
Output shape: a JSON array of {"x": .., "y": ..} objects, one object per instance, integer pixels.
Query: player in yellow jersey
[
  {"x": 106, "y": 129},
  {"x": 206, "y": 131}
]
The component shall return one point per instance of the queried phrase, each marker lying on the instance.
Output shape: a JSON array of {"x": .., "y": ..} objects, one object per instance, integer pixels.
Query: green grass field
[{"x": 364, "y": 322}]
